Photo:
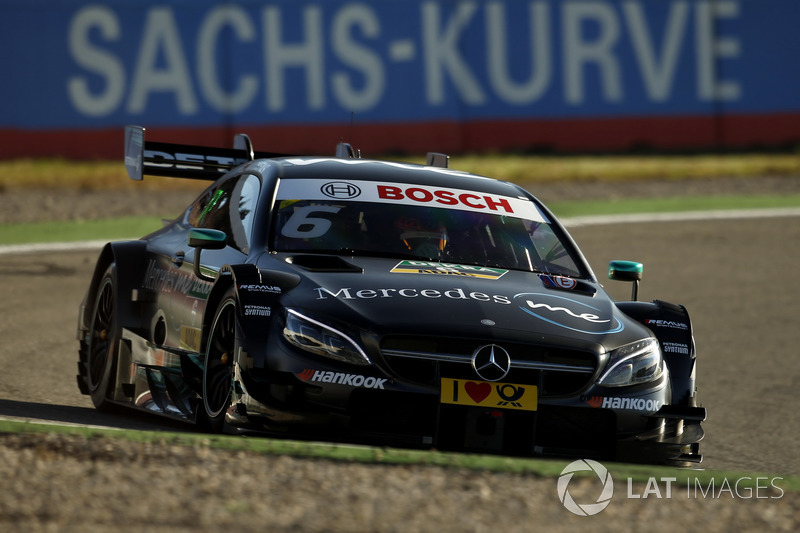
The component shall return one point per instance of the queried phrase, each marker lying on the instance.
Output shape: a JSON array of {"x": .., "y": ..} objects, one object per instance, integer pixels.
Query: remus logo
[{"x": 568, "y": 313}]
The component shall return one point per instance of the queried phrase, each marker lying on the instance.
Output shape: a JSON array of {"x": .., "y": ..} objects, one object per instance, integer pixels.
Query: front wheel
[{"x": 218, "y": 365}]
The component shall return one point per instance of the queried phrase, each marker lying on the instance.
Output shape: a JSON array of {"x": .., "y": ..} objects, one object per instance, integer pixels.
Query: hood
[{"x": 391, "y": 296}]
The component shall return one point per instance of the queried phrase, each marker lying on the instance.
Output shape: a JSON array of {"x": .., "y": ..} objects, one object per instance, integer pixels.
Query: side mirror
[
  {"x": 627, "y": 271},
  {"x": 205, "y": 239}
]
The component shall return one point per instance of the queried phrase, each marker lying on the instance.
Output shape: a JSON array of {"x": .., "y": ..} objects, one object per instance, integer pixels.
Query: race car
[{"x": 349, "y": 299}]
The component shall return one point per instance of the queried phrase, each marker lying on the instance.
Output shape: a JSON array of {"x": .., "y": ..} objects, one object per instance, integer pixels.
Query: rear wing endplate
[{"x": 183, "y": 160}]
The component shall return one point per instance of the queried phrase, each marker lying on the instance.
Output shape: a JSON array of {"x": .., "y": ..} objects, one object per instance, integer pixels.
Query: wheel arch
[
  {"x": 672, "y": 326},
  {"x": 129, "y": 260},
  {"x": 252, "y": 287}
]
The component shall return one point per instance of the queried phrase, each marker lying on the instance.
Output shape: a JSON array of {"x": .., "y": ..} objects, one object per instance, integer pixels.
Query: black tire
[
  {"x": 218, "y": 365},
  {"x": 98, "y": 353}
]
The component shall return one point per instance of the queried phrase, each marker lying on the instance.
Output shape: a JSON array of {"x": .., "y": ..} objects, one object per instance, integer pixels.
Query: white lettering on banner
[
  {"x": 307, "y": 55},
  {"x": 443, "y": 54},
  {"x": 657, "y": 74},
  {"x": 499, "y": 57},
  {"x": 347, "y": 59},
  {"x": 97, "y": 61},
  {"x": 578, "y": 52},
  {"x": 357, "y": 57},
  {"x": 711, "y": 50},
  {"x": 207, "y": 41},
  {"x": 162, "y": 39}
]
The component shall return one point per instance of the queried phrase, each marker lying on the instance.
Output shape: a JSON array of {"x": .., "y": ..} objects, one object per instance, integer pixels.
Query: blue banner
[{"x": 75, "y": 64}]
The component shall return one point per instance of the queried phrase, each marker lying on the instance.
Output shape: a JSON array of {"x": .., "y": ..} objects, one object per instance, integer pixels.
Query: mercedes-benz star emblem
[{"x": 491, "y": 362}]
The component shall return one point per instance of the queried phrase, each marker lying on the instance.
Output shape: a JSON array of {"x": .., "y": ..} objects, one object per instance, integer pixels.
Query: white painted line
[
  {"x": 49, "y": 247},
  {"x": 686, "y": 216},
  {"x": 593, "y": 220}
]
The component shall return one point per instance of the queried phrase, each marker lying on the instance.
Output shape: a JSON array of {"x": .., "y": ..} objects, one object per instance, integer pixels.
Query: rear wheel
[
  {"x": 98, "y": 351},
  {"x": 218, "y": 365}
]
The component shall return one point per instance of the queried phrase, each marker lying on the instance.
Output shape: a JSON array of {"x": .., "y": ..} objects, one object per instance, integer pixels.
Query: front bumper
[{"x": 362, "y": 404}]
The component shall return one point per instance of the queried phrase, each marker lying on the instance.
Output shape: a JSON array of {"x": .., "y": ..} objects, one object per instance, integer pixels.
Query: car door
[{"x": 228, "y": 206}]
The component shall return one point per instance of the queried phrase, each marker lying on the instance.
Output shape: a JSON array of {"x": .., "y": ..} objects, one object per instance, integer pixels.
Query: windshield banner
[{"x": 417, "y": 195}]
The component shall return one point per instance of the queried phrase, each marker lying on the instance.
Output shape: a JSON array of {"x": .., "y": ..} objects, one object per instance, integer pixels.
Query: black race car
[{"x": 407, "y": 305}]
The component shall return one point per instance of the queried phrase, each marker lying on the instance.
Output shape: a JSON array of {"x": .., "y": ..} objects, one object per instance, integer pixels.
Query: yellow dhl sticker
[
  {"x": 486, "y": 394},
  {"x": 190, "y": 338},
  {"x": 447, "y": 269}
]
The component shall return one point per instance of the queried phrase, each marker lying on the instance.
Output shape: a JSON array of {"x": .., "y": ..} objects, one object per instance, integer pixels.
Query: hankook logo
[
  {"x": 491, "y": 362},
  {"x": 340, "y": 190}
]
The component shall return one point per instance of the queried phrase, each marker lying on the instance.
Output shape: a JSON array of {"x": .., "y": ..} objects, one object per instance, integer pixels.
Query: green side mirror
[
  {"x": 211, "y": 239},
  {"x": 627, "y": 271},
  {"x": 205, "y": 239}
]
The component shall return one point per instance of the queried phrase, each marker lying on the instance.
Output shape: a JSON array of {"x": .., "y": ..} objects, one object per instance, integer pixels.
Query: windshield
[{"x": 424, "y": 232}]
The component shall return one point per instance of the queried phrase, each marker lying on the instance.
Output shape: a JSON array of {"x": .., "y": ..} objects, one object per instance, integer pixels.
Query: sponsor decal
[
  {"x": 191, "y": 338},
  {"x": 168, "y": 281},
  {"x": 257, "y": 310},
  {"x": 568, "y": 313},
  {"x": 485, "y": 394},
  {"x": 675, "y": 347},
  {"x": 402, "y": 194},
  {"x": 669, "y": 324},
  {"x": 272, "y": 289},
  {"x": 447, "y": 269},
  {"x": 631, "y": 404},
  {"x": 348, "y": 293},
  {"x": 341, "y": 190},
  {"x": 558, "y": 282},
  {"x": 341, "y": 378}
]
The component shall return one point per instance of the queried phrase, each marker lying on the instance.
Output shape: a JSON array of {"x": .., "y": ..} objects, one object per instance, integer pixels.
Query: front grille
[{"x": 425, "y": 360}]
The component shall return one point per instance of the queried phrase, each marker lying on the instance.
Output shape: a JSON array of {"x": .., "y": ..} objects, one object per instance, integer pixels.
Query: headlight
[
  {"x": 638, "y": 362},
  {"x": 317, "y": 338}
]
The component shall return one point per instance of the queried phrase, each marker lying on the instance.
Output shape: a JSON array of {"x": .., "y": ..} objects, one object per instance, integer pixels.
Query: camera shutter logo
[{"x": 585, "y": 509}]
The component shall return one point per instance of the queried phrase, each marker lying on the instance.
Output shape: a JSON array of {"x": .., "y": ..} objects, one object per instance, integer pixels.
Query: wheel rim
[
  {"x": 101, "y": 335},
  {"x": 218, "y": 375}
]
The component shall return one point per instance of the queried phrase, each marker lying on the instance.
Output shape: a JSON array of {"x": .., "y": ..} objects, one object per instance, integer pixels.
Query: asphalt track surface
[{"x": 737, "y": 277}]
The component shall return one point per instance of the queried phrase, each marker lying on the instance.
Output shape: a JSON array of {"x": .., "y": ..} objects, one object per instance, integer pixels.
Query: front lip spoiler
[{"x": 681, "y": 412}]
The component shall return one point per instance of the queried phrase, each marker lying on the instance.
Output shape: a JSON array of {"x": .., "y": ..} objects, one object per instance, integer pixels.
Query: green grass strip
[
  {"x": 549, "y": 468},
  {"x": 106, "y": 229}
]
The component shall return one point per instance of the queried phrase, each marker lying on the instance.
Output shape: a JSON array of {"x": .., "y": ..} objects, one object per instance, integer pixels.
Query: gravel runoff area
[{"x": 70, "y": 483}]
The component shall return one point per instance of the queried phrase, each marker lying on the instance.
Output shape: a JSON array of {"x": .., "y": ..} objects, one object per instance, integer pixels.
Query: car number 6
[{"x": 303, "y": 226}]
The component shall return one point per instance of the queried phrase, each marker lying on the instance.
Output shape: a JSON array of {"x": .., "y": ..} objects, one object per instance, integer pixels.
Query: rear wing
[{"x": 183, "y": 160}]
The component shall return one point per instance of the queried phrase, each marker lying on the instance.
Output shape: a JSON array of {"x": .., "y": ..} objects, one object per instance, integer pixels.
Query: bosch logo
[
  {"x": 341, "y": 190},
  {"x": 491, "y": 362}
]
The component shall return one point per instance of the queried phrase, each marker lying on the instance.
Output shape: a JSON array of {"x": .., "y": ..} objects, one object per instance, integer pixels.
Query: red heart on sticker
[{"x": 478, "y": 391}]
